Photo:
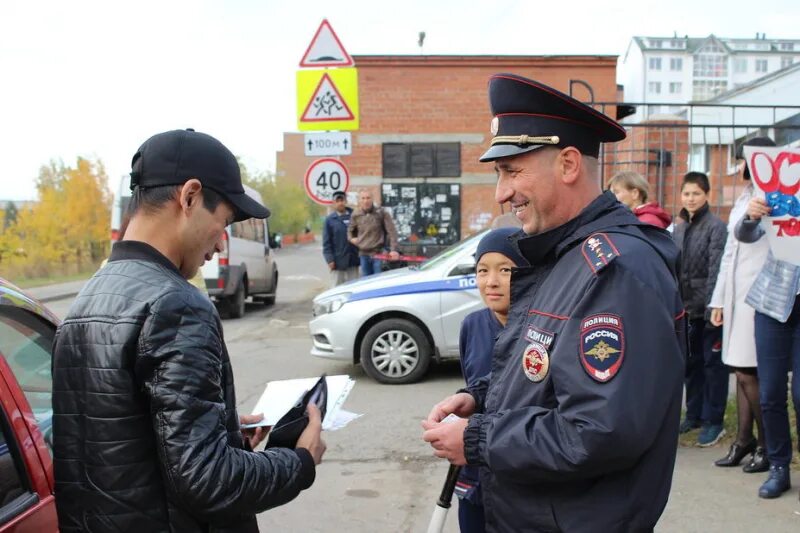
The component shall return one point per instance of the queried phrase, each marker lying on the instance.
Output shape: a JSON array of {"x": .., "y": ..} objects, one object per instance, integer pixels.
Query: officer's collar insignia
[
  {"x": 599, "y": 251},
  {"x": 602, "y": 346},
  {"x": 535, "y": 362},
  {"x": 542, "y": 336},
  {"x": 495, "y": 126}
]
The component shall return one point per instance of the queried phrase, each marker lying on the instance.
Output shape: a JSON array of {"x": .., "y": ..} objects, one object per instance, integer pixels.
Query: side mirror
[{"x": 464, "y": 269}]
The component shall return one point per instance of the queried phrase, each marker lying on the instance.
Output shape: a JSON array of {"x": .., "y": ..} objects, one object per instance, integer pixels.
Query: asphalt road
[{"x": 378, "y": 475}]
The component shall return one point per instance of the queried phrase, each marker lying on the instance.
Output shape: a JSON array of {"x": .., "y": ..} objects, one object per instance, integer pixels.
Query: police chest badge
[
  {"x": 535, "y": 362},
  {"x": 602, "y": 346}
]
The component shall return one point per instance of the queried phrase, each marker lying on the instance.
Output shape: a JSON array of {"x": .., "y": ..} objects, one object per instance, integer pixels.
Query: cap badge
[{"x": 495, "y": 126}]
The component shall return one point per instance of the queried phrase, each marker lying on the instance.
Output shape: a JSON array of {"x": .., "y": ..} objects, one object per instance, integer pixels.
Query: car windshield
[{"x": 447, "y": 253}]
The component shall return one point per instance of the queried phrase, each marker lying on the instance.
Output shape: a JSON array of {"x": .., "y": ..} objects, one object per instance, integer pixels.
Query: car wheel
[
  {"x": 236, "y": 302},
  {"x": 395, "y": 351}
]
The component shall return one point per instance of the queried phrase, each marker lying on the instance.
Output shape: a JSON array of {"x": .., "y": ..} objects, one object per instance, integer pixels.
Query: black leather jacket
[{"x": 146, "y": 432}]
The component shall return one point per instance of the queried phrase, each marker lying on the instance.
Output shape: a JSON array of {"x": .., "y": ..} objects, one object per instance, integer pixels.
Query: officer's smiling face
[{"x": 528, "y": 182}]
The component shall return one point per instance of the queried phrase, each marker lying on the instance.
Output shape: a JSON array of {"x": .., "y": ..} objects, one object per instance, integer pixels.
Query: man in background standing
[
  {"x": 340, "y": 254},
  {"x": 369, "y": 227}
]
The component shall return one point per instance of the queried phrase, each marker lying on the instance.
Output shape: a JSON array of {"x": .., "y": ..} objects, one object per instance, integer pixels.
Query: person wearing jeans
[
  {"x": 707, "y": 376},
  {"x": 701, "y": 235},
  {"x": 370, "y": 229},
  {"x": 774, "y": 296}
]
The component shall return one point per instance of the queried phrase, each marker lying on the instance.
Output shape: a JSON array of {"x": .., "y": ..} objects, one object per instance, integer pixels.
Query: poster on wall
[
  {"x": 424, "y": 213},
  {"x": 776, "y": 175}
]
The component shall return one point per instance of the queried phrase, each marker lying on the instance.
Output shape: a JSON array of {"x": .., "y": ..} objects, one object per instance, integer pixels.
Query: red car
[{"x": 27, "y": 328}]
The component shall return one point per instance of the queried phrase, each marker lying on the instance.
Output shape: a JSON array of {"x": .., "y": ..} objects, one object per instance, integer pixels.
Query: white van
[{"x": 245, "y": 268}]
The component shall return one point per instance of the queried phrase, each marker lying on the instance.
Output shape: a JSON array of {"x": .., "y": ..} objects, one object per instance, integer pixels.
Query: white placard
[{"x": 776, "y": 176}]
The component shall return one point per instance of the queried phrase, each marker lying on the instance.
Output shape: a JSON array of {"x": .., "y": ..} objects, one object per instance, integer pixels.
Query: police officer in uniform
[{"x": 576, "y": 427}]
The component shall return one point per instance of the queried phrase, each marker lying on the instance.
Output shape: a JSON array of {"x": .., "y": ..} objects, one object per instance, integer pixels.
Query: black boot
[
  {"x": 758, "y": 462},
  {"x": 736, "y": 453}
]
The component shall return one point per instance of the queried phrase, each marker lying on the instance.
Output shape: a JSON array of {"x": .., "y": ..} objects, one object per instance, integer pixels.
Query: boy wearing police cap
[
  {"x": 576, "y": 428},
  {"x": 146, "y": 433}
]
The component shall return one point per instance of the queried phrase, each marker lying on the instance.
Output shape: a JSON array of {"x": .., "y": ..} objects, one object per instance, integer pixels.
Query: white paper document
[{"x": 280, "y": 396}]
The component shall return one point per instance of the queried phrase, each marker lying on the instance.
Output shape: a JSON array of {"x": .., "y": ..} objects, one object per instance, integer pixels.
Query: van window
[
  {"x": 259, "y": 226},
  {"x": 244, "y": 230}
]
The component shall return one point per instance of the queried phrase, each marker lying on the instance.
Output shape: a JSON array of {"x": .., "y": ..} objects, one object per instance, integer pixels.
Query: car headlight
[{"x": 330, "y": 304}]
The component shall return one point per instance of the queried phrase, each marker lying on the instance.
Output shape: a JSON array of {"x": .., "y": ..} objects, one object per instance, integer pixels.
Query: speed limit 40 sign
[{"x": 324, "y": 177}]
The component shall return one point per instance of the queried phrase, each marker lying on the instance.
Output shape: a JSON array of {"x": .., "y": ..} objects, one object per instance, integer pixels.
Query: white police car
[{"x": 396, "y": 322}]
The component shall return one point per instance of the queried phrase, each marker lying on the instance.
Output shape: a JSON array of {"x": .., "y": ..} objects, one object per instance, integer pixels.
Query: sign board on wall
[{"x": 424, "y": 213}]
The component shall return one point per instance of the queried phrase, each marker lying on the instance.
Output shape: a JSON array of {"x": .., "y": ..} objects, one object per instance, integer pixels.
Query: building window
[
  {"x": 761, "y": 65},
  {"x": 654, "y": 87},
  {"x": 654, "y": 63},
  {"x": 421, "y": 160},
  {"x": 740, "y": 65},
  {"x": 787, "y": 46},
  {"x": 676, "y": 43},
  {"x": 698, "y": 158},
  {"x": 711, "y": 62},
  {"x": 705, "y": 89},
  {"x": 675, "y": 87},
  {"x": 656, "y": 43},
  {"x": 676, "y": 63},
  {"x": 786, "y": 61}
]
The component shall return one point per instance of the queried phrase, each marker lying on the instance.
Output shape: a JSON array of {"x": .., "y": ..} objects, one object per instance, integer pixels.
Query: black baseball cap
[
  {"x": 174, "y": 157},
  {"x": 529, "y": 115},
  {"x": 339, "y": 194}
]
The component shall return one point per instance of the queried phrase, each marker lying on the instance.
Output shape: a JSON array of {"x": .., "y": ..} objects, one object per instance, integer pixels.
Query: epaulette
[{"x": 599, "y": 251}]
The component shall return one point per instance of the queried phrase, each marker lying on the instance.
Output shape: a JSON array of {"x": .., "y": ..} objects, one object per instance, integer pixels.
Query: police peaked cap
[{"x": 529, "y": 115}]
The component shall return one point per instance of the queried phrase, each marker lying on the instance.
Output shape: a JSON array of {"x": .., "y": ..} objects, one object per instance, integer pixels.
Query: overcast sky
[{"x": 96, "y": 78}]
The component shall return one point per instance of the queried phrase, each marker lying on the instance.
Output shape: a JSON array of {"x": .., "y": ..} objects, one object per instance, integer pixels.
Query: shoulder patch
[
  {"x": 599, "y": 251},
  {"x": 602, "y": 346}
]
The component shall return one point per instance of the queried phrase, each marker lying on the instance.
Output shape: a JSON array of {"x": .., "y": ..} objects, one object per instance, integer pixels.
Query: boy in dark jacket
[
  {"x": 340, "y": 254},
  {"x": 701, "y": 237}
]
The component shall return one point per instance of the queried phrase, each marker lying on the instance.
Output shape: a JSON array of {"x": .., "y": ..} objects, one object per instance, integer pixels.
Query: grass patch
[
  {"x": 730, "y": 423},
  {"x": 29, "y": 283}
]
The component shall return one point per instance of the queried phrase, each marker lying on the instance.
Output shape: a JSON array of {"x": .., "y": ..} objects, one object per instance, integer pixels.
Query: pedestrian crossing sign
[{"x": 327, "y": 100}]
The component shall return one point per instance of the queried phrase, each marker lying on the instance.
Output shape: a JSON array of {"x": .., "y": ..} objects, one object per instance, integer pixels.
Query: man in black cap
[
  {"x": 340, "y": 254},
  {"x": 146, "y": 433},
  {"x": 576, "y": 428}
]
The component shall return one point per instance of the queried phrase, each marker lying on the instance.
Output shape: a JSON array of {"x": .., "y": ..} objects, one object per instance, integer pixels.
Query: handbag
[{"x": 288, "y": 429}]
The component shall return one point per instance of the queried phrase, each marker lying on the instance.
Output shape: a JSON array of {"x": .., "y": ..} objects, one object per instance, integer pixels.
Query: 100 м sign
[{"x": 324, "y": 177}]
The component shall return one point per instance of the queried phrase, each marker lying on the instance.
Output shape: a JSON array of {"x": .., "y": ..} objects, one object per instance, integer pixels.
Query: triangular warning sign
[
  {"x": 326, "y": 103},
  {"x": 326, "y": 49}
]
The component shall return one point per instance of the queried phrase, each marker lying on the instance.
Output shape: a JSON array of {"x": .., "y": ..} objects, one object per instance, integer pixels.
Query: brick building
[{"x": 424, "y": 121}]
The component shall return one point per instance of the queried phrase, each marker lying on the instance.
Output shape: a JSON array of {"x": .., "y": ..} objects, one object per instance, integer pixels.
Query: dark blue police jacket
[
  {"x": 335, "y": 246},
  {"x": 577, "y": 425}
]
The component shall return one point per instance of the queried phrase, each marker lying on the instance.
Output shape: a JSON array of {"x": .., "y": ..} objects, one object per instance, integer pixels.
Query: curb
[{"x": 57, "y": 297}]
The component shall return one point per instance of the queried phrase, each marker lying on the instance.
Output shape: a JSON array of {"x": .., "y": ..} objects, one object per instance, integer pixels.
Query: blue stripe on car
[{"x": 460, "y": 283}]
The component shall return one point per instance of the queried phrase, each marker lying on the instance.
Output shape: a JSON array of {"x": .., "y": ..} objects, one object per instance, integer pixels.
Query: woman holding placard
[
  {"x": 741, "y": 263},
  {"x": 774, "y": 296}
]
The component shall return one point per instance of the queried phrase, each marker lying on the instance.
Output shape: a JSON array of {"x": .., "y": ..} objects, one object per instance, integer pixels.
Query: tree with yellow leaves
[{"x": 67, "y": 230}]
